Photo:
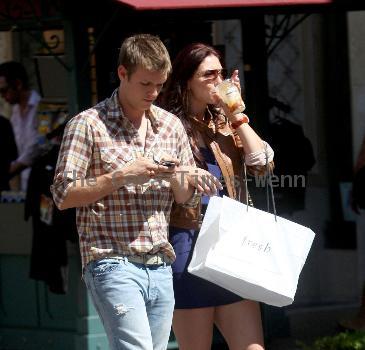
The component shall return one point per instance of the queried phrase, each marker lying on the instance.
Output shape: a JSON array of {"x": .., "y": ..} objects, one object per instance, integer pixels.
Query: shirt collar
[{"x": 115, "y": 111}]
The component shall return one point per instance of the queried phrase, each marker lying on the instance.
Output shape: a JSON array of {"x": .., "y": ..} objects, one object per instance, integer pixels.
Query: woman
[{"x": 219, "y": 141}]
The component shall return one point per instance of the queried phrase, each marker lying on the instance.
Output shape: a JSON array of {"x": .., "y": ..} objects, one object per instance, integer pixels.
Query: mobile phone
[{"x": 167, "y": 163}]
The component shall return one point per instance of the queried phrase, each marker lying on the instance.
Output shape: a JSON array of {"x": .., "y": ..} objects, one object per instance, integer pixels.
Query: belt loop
[{"x": 125, "y": 259}]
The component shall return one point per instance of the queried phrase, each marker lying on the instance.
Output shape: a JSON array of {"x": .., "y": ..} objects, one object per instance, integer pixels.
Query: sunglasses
[{"x": 211, "y": 74}]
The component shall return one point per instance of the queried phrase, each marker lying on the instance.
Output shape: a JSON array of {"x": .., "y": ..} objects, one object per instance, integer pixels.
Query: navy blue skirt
[{"x": 192, "y": 291}]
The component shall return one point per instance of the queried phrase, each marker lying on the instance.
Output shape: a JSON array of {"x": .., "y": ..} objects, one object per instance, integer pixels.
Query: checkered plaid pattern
[{"x": 133, "y": 219}]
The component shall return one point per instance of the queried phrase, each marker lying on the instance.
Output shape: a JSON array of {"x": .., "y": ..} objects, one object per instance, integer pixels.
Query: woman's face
[{"x": 202, "y": 85}]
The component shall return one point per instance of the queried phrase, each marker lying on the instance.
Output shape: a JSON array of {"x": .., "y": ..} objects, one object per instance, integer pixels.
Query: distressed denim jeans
[{"x": 135, "y": 302}]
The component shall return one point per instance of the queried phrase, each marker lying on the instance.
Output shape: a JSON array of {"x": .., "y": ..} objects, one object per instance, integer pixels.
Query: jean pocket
[{"x": 103, "y": 267}]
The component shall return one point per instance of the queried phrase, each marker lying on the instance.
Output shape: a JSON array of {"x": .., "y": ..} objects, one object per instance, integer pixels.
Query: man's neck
[{"x": 135, "y": 116}]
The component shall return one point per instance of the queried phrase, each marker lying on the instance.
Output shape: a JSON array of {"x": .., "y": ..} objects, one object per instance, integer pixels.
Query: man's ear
[{"x": 122, "y": 73}]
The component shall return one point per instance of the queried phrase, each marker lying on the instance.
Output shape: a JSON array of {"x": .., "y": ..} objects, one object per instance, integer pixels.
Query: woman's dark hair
[
  {"x": 175, "y": 96},
  {"x": 13, "y": 71}
]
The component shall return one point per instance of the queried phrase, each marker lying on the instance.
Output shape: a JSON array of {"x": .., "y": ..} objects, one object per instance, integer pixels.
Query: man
[
  {"x": 109, "y": 168},
  {"x": 14, "y": 88}
]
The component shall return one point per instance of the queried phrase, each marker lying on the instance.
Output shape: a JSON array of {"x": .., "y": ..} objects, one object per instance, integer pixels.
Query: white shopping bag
[{"x": 249, "y": 252}]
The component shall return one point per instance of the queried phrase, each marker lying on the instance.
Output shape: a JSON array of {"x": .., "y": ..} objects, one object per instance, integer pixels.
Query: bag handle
[
  {"x": 268, "y": 185},
  {"x": 269, "y": 174}
]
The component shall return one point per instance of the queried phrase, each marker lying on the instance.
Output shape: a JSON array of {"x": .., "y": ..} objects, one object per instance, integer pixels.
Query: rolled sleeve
[
  {"x": 74, "y": 157},
  {"x": 256, "y": 161},
  {"x": 260, "y": 157},
  {"x": 59, "y": 189}
]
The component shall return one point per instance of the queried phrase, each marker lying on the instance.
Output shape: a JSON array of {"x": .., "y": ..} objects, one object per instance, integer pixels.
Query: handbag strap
[
  {"x": 268, "y": 185},
  {"x": 245, "y": 180}
]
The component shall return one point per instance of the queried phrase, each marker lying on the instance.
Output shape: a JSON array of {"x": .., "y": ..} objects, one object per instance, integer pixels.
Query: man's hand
[
  {"x": 167, "y": 160},
  {"x": 140, "y": 172}
]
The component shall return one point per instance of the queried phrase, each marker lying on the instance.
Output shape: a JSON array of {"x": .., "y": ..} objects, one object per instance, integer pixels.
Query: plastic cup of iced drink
[{"x": 231, "y": 96}]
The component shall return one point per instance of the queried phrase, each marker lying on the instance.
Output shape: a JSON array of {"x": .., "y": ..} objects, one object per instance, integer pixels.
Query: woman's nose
[{"x": 218, "y": 80}]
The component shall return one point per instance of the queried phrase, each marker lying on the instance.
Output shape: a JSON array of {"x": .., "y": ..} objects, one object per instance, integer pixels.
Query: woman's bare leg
[
  {"x": 193, "y": 328},
  {"x": 240, "y": 324}
]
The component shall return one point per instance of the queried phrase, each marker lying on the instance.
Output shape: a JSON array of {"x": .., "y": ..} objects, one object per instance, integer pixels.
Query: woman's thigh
[
  {"x": 193, "y": 328},
  {"x": 240, "y": 324}
]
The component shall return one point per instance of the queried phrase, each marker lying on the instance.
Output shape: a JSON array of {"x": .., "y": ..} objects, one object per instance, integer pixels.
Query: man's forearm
[
  {"x": 86, "y": 191},
  {"x": 181, "y": 188}
]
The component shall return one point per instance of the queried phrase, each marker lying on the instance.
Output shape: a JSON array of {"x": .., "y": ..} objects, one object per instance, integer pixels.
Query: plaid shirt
[{"x": 133, "y": 219}]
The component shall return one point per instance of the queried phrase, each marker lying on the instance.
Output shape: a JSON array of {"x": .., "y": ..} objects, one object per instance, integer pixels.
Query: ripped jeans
[{"x": 135, "y": 302}]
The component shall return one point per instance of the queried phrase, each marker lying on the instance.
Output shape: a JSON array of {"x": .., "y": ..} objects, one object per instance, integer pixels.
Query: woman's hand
[
  {"x": 202, "y": 180},
  {"x": 219, "y": 101},
  {"x": 235, "y": 78}
]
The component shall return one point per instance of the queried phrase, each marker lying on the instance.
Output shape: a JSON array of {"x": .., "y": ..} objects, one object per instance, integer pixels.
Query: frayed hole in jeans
[{"x": 122, "y": 309}]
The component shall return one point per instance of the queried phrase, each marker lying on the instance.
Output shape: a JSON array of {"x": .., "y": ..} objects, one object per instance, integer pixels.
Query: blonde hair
[{"x": 144, "y": 50}]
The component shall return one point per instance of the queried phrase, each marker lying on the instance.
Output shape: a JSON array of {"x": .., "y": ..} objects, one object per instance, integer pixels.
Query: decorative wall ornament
[
  {"x": 228, "y": 35},
  {"x": 285, "y": 76}
]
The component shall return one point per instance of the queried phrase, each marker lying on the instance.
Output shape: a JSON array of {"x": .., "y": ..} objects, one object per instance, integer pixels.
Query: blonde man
[{"x": 117, "y": 165}]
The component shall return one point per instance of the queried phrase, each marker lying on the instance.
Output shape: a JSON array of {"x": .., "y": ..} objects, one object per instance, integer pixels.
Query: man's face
[
  {"x": 10, "y": 93},
  {"x": 141, "y": 88}
]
